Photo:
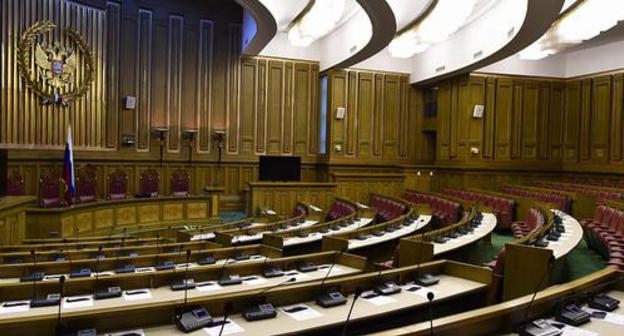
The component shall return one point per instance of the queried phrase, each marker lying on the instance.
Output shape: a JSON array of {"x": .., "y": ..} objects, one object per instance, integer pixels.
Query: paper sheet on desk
[
  {"x": 334, "y": 271},
  {"x": 297, "y": 275},
  {"x": 376, "y": 299},
  {"x": 609, "y": 317},
  {"x": 569, "y": 330},
  {"x": 18, "y": 307},
  {"x": 77, "y": 302},
  {"x": 230, "y": 328},
  {"x": 254, "y": 281},
  {"x": 422, "y": 291},
  {"x": 131, "y": 332},
  {"x": 302, "y": 315},
  {"x": 139, "y": 294},
  {"x": 208, "y": 286}
]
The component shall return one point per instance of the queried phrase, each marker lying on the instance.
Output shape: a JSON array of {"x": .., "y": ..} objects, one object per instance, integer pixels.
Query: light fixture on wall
[
  {"x": 316, "y": 20},
  {"x": 436, "y": 24},
  {"x": 580, "y": 22},
  {"x": 189, "y": 135},
  {"x": 159, "y": 133},
  {"x": 219, "y": 137}
]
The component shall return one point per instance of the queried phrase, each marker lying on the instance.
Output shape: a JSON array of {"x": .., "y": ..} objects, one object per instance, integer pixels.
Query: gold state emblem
[{"x": 54, "y": 82}]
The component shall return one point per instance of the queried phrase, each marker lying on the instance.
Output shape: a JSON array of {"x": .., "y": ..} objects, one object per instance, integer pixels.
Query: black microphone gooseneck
[
  {"x": 538, "y": 287},
  {"x": 188, "y": 260},
  {"x": 289, "y": 280},
  {"x": 332, "y": 267},
  {"x": 178, "y": 258},
  {"x": 69, "y": 253},
  {"x": 226, "y": 311},
  {"x": 76, "y": 233},
  {"x": 430, "y": 297},
  {"x": 97, "y": 267},
  {"x": 59, "y": 328},
  {"x": 158, "y": 249},
  {"x": 358, "y": 292},
  {"x": 227, "y": 257},
  {"x": 420, "y": 252},
  {"x": 34, "y": 258}
]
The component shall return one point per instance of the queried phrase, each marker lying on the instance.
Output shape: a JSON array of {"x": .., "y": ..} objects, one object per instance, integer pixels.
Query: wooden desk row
[
  {"x": 505, "y": 318},
  {"x": 12, "y": 272},
  {"x": 458, "y": 283},
  {"x": 377, "y": 234},
  {"x": 82, "y": 244},
  {"x": 158, "y": 282},
  {"x": 423, "y": 247},
  {"x": 73, "y": 253},
  {"x": 316, "y": 233}
]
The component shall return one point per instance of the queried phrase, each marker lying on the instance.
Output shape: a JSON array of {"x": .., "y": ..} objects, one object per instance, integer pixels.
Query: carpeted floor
[
  {"x": 580, "y": 262},
  {"x": 232, "y": 216}
]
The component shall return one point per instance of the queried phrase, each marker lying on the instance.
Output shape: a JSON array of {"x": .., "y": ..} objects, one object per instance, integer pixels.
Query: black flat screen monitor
[{"x": 280, "y": 168}]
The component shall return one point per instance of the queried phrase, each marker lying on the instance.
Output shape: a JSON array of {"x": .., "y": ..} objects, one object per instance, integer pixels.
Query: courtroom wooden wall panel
[{"x": 378, "y": 125}]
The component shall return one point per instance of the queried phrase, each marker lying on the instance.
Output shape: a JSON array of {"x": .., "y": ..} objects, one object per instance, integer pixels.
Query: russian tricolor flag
[{"x": 69, "y": 169}]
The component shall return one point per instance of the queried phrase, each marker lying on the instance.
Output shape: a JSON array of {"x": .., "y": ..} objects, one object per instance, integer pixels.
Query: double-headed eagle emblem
[
  {"x": 54, "y": 81},
  {"x": 56, "y": 64}
]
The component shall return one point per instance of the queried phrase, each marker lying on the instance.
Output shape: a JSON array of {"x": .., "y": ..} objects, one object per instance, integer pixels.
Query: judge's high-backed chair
[
  {"x": 180, "y": 182},
  {"x": 51, "y": 190},
  {"x": 117, "y": 185},
  {"x": 86, "y": 184},
  {"x": 149, "y": 183},
  {"x": 15, "y": 184}
]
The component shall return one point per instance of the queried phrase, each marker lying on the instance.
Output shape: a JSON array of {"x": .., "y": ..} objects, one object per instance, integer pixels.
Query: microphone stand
[{"x": 358, "y": 292}]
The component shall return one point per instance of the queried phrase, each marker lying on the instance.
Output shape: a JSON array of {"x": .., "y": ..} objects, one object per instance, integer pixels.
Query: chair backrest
[
  {"x": 51, "y": 188},
  {"x": 117, "y": 185},
  {"x": 86, "y": 184},
  {"x": 15, "y": 184},
  {"x": 149, "y": 183},
  {"x": 180, "y": 182}
]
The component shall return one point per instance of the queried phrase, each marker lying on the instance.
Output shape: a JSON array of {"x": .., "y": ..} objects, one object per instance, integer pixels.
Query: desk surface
[
  {"x": 569, "y": 239},
  {"x": 258, "y": 236},
  {"x": 488, "y": 224},
  {"x": 317, "y": 236},
  {"x": 284, "y": 324},
  {"x": 598, "y": 327},
  {"x": 166, "y": 295},
  {"x": 211, "y": 235},
  {"x": 421, "y": 222}
]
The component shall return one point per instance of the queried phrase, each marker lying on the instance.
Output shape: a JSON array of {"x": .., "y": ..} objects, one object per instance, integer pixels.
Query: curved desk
[
  {"x": 317, "y": 236},
  {"x": 414, "y": 226},
  {"x": 107, "y": 216},
  {"x": 569, "y": 239},
  {"x": 488, "y": 224}
]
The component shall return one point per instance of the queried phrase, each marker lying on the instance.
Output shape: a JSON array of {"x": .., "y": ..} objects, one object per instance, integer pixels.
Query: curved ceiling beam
[
  {"x": 262, "y": 30},
  {"x": 384, "y": 27},
  {"x": 538, "y": 18}
]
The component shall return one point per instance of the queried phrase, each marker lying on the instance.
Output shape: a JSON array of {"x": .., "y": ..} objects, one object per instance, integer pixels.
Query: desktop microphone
[
  {"x": 430, "y": 297},
  {"x": 76, "y": 233},
  {"x": 263, "y": 310},
  {"x": 387, "y": 288},
  {"x": 188, "y": 319},
  {"x": 228, "y": 280},
  {"x": 426, "y": 279},
  {"x": 272, "y": 271},
  {"x": 107, "y": 293},
  {"x": 332, "y": 298},
  {"x": 59, "y": 327},
  {"x": 184, "y": 284},
  {"x": 538, "y": 327},
  {"x": 226, "y": 310},
  {"x": 358, "y": 292},
  {"x": 35, "y": 275}
]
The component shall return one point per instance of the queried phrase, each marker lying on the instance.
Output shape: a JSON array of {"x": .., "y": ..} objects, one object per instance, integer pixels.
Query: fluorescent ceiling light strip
[
  {"x": 444, "y": 19},
  {"x": 320, "y": 19},
  {"x": 583, "y": 23}
]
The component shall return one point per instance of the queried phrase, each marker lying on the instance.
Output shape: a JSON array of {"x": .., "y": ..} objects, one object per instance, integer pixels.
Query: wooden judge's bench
[{"x": 102, "y": 217}]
